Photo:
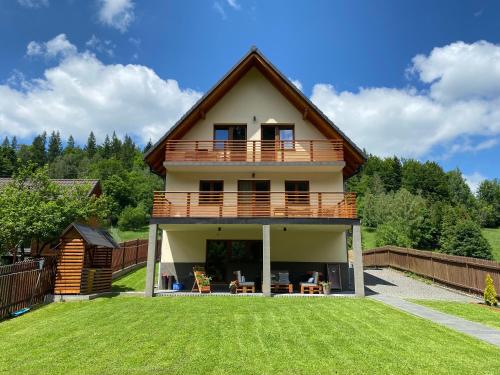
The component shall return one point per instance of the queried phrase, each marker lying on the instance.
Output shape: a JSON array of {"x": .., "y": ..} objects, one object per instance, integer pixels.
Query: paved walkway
[
  {"x": 479, "y": 331},
  {"x": 389, "y": 282}
]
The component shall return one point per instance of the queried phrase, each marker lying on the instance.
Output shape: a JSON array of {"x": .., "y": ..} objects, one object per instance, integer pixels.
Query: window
[
  {"x": 297, "y": 192},
  {"x": 285, "y": 134},
  {"x": 211, "y": 192},
  {"x": 224, "y": 133}
]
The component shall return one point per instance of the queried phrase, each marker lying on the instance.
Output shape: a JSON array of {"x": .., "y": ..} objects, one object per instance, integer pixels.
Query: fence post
[
  {"x": 123, "y": 254},
  {"x": 136, "y": 250}
]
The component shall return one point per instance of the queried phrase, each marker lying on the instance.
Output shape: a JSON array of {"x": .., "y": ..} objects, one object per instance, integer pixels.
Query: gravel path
[{"x": 386, "y": 281}]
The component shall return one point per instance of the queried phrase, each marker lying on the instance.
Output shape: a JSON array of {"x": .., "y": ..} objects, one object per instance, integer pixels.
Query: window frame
[
  {"x": 211, "y": 197},
  {"x": 292, "y": 199}
]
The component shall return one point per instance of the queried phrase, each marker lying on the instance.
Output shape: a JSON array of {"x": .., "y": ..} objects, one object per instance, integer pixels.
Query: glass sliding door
[{"x": 254, "y": 198}]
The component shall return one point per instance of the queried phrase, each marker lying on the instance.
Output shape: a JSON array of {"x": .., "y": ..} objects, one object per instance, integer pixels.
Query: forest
[{"x": 404, "y": 201}]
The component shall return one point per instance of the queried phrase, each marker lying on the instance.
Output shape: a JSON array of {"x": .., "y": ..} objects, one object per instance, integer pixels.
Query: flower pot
[
  {"x": 326, "y": 291},
  {"x": 232, "y": 290}
]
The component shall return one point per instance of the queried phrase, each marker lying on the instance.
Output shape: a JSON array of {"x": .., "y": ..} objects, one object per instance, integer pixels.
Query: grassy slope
[
  {"x": 477, "y": 313},
  {"x": 243, "y": 335},
  {"x": 120, "y": 235},
  {"x": 133, "y": 281},
  {"x": 368, "y": 238},
  {"x": 493, "y": 237}
]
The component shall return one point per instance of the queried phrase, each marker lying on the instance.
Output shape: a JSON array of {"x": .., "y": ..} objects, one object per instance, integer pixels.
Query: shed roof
[{"x": 93, "y": 236}]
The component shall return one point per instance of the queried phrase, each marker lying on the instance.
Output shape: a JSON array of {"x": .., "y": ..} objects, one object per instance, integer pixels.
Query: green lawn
[
  {"x": 126, "y": 235},
  {"x": 134, "y": 281},
  {"x": 235, "y": 335},
  {"x": 477, "y": 313},
  {"x": 368, "y": 238},
  {"x": 493, "y": 237}
]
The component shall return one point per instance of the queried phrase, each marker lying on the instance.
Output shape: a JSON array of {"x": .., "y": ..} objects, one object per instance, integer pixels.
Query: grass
[
  {"x": 493, "y": 237},
  {"x": 126, "y": 235},
  {"x": 470, "y": 311},
  {"x": 368, "y": 238},
  {"x": 134, "y": 281},
  {"x": 242, "y": 335}
]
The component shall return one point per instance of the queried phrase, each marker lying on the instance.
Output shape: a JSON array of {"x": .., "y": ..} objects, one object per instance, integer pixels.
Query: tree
[
  {"x": 38, "y": 150},
  {"x": 132, "y": 217},
  {"x": 91, "y": 147},
  {"x": 128, "y": 151},
  {"x": 427, "y": 179},
  {"x": 8, "y": 161},
  {"x": 106, "y": 148},
  {"x": 489, "y": 201},
  {"x": 34, "y": 208},
  {"x": 55, "y": 147},
  {"x": 462, "y": 236},
  {"x": 460, "y": 193},
  {"x": 390, "y": 174},
  {"x": 148, "y": 146},
  {"x": 70, "y": 145},
  {"x": 116, "y": 146}
]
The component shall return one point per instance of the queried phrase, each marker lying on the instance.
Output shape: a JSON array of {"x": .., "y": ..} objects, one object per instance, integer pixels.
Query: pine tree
[
  {"x": 91, "y": 147},
  {"x": 116, "y": 146},
  {"x": 148, "y": 145},
  {"x": 38, "y": 150},
  {"x": 55, "y": 147},
  {"x": 106, "y": 148},
  {"x": 7, "y": 159},
  {"x": 70, "y": 145},
  {"x": 128, "y": 151}
]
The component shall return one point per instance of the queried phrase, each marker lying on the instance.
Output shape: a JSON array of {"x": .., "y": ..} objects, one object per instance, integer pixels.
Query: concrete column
[
  {"x": 266, "y": 260},
  {"x": 359, "y": 282},
  {"x": 150, "y": 265}
]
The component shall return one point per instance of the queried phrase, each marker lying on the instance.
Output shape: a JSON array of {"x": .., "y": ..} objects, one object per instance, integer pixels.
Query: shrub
[
  {"x": 490, "y": 294},
  {"x": 462, "y": 236},
  {"x": 132, "y": 218}
]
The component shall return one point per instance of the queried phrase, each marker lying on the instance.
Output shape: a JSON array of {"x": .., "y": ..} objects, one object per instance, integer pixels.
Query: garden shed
[{"x": 84, "y": 260}]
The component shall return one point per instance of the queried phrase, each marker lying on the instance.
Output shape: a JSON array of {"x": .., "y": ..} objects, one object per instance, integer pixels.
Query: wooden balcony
[
  {"x": 254, "y": 204},
  {"x": 254, "y": 151}
]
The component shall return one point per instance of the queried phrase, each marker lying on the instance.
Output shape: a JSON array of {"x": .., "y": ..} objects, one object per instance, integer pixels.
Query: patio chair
[
  {"x": 280, "y": 282},
  {"x": 312, "y": 285},
  {"x": 243, "y": 286}
]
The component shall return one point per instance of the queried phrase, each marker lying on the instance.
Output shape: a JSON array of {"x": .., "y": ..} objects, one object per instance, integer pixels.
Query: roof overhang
[{"x": 353, "y": 155}]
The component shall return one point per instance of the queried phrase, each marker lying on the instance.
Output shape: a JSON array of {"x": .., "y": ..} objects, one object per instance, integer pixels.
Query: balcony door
[
  {"x": 230, "y": 141},
  {"x": 254, "y": 198},
  {"x": 275, "y": 140}
]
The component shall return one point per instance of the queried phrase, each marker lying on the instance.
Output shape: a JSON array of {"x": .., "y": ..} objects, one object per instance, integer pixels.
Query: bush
[
  {"x": 462, "y": 236},
  {"x": 490, "y": 294},
  {"x": 132, "y": 218}
]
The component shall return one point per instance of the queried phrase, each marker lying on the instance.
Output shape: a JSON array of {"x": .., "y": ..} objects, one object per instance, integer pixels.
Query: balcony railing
[
  {"x": 255, "y": 151},
  {"x": 254, "y": 204}
]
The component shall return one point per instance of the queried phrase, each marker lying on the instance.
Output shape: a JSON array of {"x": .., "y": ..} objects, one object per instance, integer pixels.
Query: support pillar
[
  {"x": 359, "y": 282},
  {"x": 266, "y": 260},
  {"x": 150, "y": 265}
]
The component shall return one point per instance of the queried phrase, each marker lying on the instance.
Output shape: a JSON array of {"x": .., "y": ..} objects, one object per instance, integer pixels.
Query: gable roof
[
  {"x": 95, "y": 237},
  {"x": 94, "y": 185},
  {"x": 353, "y": 155}
]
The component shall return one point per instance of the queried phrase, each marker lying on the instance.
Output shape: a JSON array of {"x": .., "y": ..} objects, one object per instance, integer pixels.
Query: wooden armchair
[
  {"x": 311, "y": 287},
  {"x": 243, "y": 286}
]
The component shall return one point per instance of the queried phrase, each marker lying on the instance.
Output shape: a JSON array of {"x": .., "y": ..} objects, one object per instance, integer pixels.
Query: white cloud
[
  {"x": 408, "y": 122},
  {"x": 220, "y": 9},
  {"x": 33, "y": 3},
  {"x": 296, "y": 83},
  {"x": 474, "y": 180},
  {"x": 102, "y": 46},
  {"x": 234, "y": 4},
  {"x": 59, "y": 46},
  {"x": 81, "y": 94},
  {"x": 118, "y": 14}
]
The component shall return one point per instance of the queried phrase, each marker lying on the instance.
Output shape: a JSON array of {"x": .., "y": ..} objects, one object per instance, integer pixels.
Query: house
[{"x": 254, "y": 181}]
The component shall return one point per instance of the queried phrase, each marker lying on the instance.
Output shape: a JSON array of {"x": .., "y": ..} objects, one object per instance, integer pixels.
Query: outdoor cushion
[
  {"x": 247, "y": 283},
  {"x": 283, "y": 278},
  {"x": 238, "y": 276},
  {"x": 308, "y": 284},
  {"x": 310, "y": 280},
  {"x": 315, "y": 276}
]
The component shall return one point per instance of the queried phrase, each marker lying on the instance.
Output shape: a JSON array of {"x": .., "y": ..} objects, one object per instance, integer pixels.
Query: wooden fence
[
  {"x": 464, "y": 273},
  {"x": 18, "y": 284},
  {"x": 130, "y": 253}
]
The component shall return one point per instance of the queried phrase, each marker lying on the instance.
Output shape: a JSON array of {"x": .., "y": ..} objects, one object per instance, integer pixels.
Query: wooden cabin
[{"x": 84, "y": 261}]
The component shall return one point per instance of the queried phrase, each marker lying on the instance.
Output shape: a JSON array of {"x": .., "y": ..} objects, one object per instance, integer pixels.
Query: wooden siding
[{"x": 69, "y": 266}]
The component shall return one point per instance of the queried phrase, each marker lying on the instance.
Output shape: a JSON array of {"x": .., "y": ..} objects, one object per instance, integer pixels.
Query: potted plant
[
  {"x": 326, "y": 286},
  {"x": 203, "y": 282},
  {"x": 232, "y": 286}
]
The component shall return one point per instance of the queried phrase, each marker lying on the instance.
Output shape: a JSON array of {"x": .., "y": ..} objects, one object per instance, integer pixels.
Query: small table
[{"x": 276, "y": 287}]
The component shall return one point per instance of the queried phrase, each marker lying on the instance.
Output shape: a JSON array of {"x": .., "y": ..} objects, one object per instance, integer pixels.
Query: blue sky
[{"x": 420, "y": 79}]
